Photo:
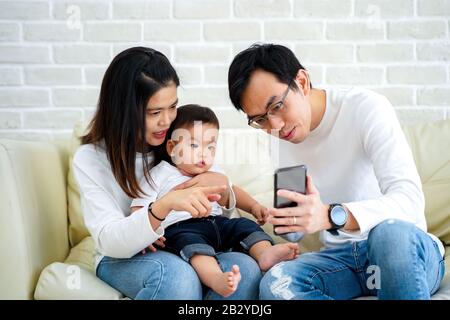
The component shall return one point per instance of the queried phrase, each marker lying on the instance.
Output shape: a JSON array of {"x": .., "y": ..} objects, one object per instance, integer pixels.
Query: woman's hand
[
  {"x": 159, "y": 243},
  {"x": 195, "y": 200},
  {"x": 309, "y": 216},
  {"x": 260, "y": 213},
  {"x": 208, "y": 179}
]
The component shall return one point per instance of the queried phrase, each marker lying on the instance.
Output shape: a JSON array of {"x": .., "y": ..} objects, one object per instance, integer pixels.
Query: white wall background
[{"x": 53, "y": 53}]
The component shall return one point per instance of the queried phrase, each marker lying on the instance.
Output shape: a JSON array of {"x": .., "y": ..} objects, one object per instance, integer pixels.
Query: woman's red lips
[{"x": 160, "y": 134}]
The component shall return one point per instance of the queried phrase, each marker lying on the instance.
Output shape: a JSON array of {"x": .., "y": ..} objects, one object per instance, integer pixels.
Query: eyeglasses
[{"x": 274, "y": 110}]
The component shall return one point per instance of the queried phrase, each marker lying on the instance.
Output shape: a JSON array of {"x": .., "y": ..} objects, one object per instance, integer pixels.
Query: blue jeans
[
  {"x": 162, "y": 275},
  {"x": 397, "y": 261},
  {"x": 207, "y": 236}
]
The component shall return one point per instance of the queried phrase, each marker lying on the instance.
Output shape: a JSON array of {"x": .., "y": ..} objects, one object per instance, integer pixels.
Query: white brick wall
[{"x": 53, "y": 53}]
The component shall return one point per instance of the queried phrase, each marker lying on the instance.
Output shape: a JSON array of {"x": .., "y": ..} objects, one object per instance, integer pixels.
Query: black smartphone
[{"x": 290, "y": 178}]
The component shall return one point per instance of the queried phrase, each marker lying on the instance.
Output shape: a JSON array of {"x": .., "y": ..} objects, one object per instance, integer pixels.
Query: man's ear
[
  {"x": 303, "y": 83},
  {"x": 170, "y": 145}
]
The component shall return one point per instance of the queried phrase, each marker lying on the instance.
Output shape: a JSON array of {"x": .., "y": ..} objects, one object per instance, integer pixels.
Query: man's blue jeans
[
  {"x": 397, "y": 261},
  {"x": 162, "y": 275}
]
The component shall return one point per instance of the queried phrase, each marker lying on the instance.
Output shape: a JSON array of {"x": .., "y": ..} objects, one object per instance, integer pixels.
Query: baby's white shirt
[{"x": 165, "y": 177}]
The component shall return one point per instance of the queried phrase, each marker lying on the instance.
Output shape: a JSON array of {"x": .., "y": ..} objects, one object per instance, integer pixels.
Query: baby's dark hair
[{"x": 187, "y": 115}]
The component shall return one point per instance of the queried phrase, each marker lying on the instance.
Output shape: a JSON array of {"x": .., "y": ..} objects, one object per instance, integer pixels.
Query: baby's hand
[{"x": 260, "y": 212}]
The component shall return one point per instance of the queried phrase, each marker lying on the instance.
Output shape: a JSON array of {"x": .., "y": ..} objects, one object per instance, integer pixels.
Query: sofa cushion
[
  {"x": 77, "y": 228},
  {"x": 33, "y": 214},
  {"x": 430, "y": 145},
  {"x": 75, "y": 278}
]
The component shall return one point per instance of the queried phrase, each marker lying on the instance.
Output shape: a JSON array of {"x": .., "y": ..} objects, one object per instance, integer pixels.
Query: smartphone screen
[{"x": 291, "y": 178}]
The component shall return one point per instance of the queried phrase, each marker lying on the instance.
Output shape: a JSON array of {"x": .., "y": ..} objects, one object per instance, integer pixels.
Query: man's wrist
[
  {"x": 327, "y": 222},
  {"x": 352, "y": 224}
]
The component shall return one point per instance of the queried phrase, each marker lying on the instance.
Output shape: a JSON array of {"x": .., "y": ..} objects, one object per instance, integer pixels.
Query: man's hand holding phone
[{"x": 309, "y": 215}]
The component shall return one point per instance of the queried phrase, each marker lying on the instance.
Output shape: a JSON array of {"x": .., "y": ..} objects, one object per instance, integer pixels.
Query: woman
[{"x": 137, "y": 104}]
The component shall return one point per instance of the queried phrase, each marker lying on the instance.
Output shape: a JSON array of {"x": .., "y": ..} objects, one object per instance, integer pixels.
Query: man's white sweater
[{"x": 359, "y": 156}]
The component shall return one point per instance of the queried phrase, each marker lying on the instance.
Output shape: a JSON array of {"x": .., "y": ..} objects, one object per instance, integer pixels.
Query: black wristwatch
[{"x": 338, "y": 215}]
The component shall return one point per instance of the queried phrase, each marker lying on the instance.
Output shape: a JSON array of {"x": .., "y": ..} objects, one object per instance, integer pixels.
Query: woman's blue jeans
[
  {"x": 162, "y": 275},
  {"x": 397, "y": 261}
]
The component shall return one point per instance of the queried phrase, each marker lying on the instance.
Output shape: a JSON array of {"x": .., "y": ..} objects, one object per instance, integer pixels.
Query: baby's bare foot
[
  {"x": 226, "y": 283},
  {"x": 277, "y": 253}
]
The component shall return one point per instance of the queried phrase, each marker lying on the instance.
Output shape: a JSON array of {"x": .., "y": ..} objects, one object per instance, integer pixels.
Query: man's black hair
[{"x": 276, "y": 59}]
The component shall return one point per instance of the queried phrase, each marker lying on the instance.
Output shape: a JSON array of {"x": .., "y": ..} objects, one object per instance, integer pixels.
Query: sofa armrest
[{"x": 33, "y": 214}]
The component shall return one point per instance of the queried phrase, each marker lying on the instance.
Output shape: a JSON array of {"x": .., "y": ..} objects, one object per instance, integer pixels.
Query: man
[{"x": 366, "y": 200}]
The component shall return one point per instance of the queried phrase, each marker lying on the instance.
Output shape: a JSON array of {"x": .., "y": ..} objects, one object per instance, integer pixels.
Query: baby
[{"x": 190, "y": 150}]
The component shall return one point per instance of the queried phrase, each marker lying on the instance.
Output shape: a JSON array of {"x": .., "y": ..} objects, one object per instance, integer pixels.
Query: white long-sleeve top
[
  {"x": 359, "y": 156},
  {"x": 106, "y": 207}
]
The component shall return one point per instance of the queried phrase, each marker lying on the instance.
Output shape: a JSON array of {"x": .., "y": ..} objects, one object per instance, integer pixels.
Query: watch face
[{"x": 339, "y": 215}]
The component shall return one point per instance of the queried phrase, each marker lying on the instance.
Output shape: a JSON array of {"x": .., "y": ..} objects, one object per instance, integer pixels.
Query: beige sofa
[{"x": 46, "y": 252}]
